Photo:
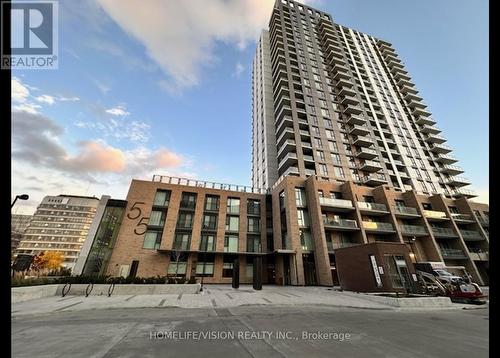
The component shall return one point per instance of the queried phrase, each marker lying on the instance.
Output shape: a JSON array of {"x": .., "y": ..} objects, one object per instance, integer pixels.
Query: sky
[{"x": 164, "y": 87}]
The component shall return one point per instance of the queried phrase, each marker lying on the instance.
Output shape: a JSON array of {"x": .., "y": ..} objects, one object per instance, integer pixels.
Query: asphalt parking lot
[{"x": 252, "y": 331}]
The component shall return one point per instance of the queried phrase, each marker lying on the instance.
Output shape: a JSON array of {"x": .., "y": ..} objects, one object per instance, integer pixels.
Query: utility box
[{"x": 376, "y": 267}]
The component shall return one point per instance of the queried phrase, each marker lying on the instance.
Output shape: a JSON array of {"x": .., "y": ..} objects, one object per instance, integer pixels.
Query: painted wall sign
[{"x": 375, "y": 271}]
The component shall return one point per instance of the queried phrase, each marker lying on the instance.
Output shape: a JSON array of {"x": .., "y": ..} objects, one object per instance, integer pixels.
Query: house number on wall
[{"x": 134, "y": 213}]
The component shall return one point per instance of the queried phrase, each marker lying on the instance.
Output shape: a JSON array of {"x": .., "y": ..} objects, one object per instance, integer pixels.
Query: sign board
[
  {"x": 414, "y": 277},
  {"x": 375, "y": 271},
  {"x": 381, "y": 270}
]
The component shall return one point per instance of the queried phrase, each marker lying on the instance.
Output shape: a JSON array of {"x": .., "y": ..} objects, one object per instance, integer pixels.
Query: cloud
[
  {"x": 238, "y": 70},
  {"x": 45, "y": 99},
  {"x": 180, "y": 35},
  {"x": 118, "y": 111},
  {"x": 20, "y": 92},
  {"x": 36, "y": 140},
  {"x": 102, "y": 87}
]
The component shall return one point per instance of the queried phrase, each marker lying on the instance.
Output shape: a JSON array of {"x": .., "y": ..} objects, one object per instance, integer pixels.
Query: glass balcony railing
[
  {"x": 413, "y": 229},
  {"x": 371, "y": 206},
  {"x": 377, "y": 226},
  {"x": 471, "y": 234},
  {"x": 452, "y": 253},
  {"x": 465, "y": 217},
  {"x": 342, "y": 223},
  {"x": 405, "y": 210},
  {"x": 432, "y": 214},
  {"x": 443, "y": 232},
  {"x": 338, "y": 203}
]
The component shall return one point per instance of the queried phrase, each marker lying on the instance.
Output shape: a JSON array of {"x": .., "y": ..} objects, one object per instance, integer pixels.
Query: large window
[
  {"x": 157, "y": 218},
  {"x": 207, "y": 243},
  {"x": 152, "y": 240},
  {"x": 182, "y": 241},
  {"x": 211, "y": 203},
  {"x": 253, "y": 243},
  {"x": 232, "y": 223},
  {"x": 188, "y": 201},
  {"x": 162, "y": 198},
  {"x": 233, "y": 205},
  {"x": 205, "y": 267},
  {"x": 300, "y": 197},
  {"x": 178, "y": 264},
  {"x": 253, "y": 224},
  {"x": 185, "y": 221},
  {"x": 231, "y": 243},
  {"x": 302, "y": 218},
  {"x": 253, "y": 207},
  {"x": 209, "y": 222}
]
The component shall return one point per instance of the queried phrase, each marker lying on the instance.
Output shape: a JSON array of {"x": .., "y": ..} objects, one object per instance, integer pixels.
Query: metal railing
[
  {"x": 435, "y": 214},
  {"x": 378, "y": 226},
  {"x": 452, "y": 253},
  {"x": 207, "y": 184},
  {"x": 461, "y": 216},
  {"x": 443, "y": 231},
  {"x": 470, "y": 234}
]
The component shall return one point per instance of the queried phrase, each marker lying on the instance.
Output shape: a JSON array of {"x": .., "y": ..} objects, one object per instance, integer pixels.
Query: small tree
[{"x": 51, "y": 260}]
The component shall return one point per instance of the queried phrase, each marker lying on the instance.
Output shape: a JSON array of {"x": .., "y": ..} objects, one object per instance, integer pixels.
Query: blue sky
[{"x": 167, "y": 89}]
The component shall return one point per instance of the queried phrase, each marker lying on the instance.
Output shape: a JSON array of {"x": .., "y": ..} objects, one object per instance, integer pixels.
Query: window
[
  {"x": 335, "y": 195},
  {"x": 185, "y": 221},
  {"x": 232, "y": 223},
  {"x": 207, "y": 243},
  {"x": 157, "y": 218},
  {"x": 182, "y": 241},
  {"x": 205, "y": 268},
  {"x": 253, "y": 207},
  {"x": 325, "y": 112},
  {"x": 335, "y": 158},
  {"x": 329, "y": 133},
  {"x": 231, "y": 243},
  {"x": 209, "y": 222},
  {"x": 253, "y": 243},
  {"x": 253, "y": 225},
  {"x": 227, "y": 267},
  {"x": 188, "y": 201},
  {"x": 339, "y": 172},
  {"x": 317, "y": 143},
  {"x": 332, "y": 145},
  {"x": 300, "y": 197},
  {"x": 302, "y": 218},
  {"x": 178, "y": 264},
  {"x": 322, "y": 170},
  {"x": 211, "y": 203},
  {"x": 162, "y": 198},
  {"x": 320, "y": 154},
  {"x": 233, "y": 205},
  {"x": 306, "y": 240},
  {"x": 152, "y": 240}
]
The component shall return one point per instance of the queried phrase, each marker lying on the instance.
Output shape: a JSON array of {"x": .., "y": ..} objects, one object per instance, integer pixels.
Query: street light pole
[{"x": 22, "y": 197}]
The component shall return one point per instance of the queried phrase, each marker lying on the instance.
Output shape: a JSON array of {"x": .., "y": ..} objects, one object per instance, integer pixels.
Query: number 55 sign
[{"x": 134, "y": 213}]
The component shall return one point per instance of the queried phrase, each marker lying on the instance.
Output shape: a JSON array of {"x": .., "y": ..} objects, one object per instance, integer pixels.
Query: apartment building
[
  {"x": 344, "y": 108},
  {"x": 18, "y": 224},
  {"x": 60, "y": 223}
]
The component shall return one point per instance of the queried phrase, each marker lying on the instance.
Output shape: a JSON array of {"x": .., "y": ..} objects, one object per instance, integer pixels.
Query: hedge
[{"x": 17, "y": 282}]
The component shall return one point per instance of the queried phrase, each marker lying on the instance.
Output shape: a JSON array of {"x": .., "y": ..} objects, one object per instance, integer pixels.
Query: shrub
[{"x": 82, "y": 279}]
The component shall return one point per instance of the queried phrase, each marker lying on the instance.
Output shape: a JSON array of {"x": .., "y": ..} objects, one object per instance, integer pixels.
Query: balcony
[
  {"x": 430, "y": 129},
  {"x": 356, "y": 120},
  {"x": 462, "y": 218},
  {"x": 359, "y": 130},
  {"x": 425, "y": 121},
  {"x": 443, "y": 232},
  {"x": 373, "y": 180},
  {"x": 353, "y": 109},
  {"x": 466, "y": 193},
  {"x": 284, "y": 111},
  {"x": 412, "y": 96},
  {"x": 366, "y": 153},
  {"x": 310, "y": 172},
  {"x": 451, "y": 254},
  {"x": 408, "y": 89},
  {"x": 445, "y": 158},
  {"x": 370, "y": 166},
  {"x": 288, "y": 145},
  {"x": 484, "y": 221},
  {"x": 291, "y": 171},
  {"x": 288, "y": 133},
  {"x": 418, "y": 111},
  {"x": 433, "y": 215},
  {"x": 340, "y": 224},
  {"x": 451, "y": 169},
  {"x": 406, "y": 211},
  {"x": 378, "y": 227},
  {"x": 479, "y": 255},
  {"x": 413, "y": 230},
  {"x": 347, "y": 91},
  {"x": 339, "y": 204},
  {"x": 341, "y": 74},
  {"x": 456, "y": 181},
  {"x": 286, "y": 122},
  {"x": 440, "y": 148},
  {"x": 471, "y": 235},
  {"x": 304, "y": 135},
  {"x": 347, "y": 100},
  {"x": 434, "y": 138},
  {"x": 308, "y": 158},
  {"x": 289, "y": 159},
  {"x": 363, "y": 141},
  {"x": 373, "y": 208}
]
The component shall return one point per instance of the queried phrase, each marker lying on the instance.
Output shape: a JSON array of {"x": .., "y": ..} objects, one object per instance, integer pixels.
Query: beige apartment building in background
[
  {"x": 60, "y": 223},
  {"x": 345, "y": 153}
]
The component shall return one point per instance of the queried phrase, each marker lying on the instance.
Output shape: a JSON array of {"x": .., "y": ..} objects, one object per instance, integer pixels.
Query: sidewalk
[{"x": 214, "y": 296}]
